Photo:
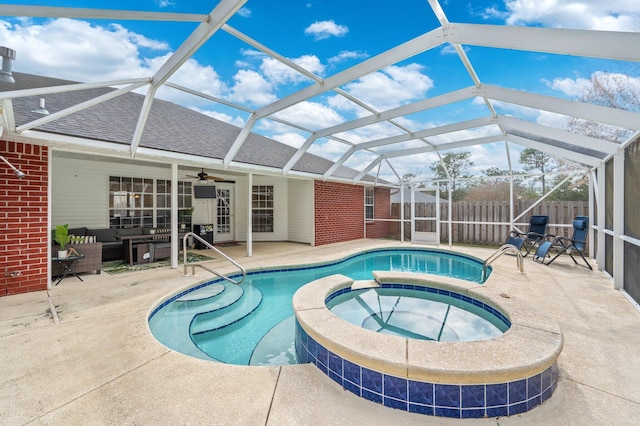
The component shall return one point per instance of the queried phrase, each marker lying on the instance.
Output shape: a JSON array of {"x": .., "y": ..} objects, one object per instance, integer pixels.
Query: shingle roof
[{"x": 170, "y": 127}]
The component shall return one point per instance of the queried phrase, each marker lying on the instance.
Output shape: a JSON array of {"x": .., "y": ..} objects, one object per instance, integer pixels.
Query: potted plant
[
  {"x": 62, "y": 237},
  {"x": 184, "y": 216}
]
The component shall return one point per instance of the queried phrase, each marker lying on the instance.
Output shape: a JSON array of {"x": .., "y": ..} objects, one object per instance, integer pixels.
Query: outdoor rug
[{"x": 120, "y": 266}]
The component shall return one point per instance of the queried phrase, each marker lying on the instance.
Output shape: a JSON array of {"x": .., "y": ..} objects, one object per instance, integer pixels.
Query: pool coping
[{"x": 532, "y": 344}]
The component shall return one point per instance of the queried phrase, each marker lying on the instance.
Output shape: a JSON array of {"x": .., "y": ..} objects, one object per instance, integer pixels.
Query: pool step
[
  {"x": 231, "y": 294},
  {"x": 202, "y": 295},
  {"x": 277, "y": 346},
  {"x": 229, "y": 314}
]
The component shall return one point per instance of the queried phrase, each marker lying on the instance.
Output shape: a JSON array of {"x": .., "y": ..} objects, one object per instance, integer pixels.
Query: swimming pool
[{"x": 253, "y": 324}]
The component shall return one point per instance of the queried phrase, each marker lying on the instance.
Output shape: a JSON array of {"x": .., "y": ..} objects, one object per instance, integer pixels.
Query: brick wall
[
  {"x": 23, "y": 219},
  {"x": 381, "y": 210},
  {"x": 339, "y": 213}
]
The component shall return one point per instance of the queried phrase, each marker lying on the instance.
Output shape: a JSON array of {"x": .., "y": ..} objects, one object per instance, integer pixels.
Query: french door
[{"x": 224, "y": 213}]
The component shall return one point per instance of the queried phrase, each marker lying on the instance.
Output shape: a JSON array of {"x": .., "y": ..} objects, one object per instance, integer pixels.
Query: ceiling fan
[{"x": 202, "y": 176}]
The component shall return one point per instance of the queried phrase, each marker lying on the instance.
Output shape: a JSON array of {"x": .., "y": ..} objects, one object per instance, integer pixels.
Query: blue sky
[{"x": 326, "y": 37}]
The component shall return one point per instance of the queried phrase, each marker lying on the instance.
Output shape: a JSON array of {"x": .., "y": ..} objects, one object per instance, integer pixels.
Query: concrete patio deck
[{"x": 82, "y": 353}]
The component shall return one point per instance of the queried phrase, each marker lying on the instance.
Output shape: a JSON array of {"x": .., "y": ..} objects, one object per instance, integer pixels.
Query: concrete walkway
[{"x": 82, "y": 354}]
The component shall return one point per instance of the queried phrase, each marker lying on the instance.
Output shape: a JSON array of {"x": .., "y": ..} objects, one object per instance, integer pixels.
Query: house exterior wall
[
  {"x": 381, "y": 210},
  {"x": 80, "y": 188},
  {"x": 339, "y": 212},
  {"x": 301, "y": 211},
  {"x": 280, "y": 206},
  {"x": 24, "y": 238}
]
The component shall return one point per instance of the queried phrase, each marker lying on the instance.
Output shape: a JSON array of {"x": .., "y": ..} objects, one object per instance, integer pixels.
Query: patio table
[{"x": 67, "y": 266}]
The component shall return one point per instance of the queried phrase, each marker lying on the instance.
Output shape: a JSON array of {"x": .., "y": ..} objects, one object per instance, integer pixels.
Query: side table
[{"x": 67, "y": 266}]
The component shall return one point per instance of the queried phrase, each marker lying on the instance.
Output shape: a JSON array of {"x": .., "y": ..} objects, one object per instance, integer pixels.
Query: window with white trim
[
  {"x": 262, "y": 208},
  {"x": 368, "y": 204}
]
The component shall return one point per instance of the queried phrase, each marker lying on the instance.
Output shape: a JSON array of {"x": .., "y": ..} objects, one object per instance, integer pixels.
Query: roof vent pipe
[
  {"x": 8, "y": 56},
  {"x": 41, "y": 108}
]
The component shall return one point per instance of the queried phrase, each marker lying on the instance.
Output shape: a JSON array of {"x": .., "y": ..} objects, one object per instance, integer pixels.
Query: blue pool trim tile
[{"x": 432, "y": 399}]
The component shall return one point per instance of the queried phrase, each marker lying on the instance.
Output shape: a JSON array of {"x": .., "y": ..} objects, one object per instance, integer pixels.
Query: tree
[
  {"x": 458, "y": 165},
  {"x": 411, "y": 180},
  {"x": 575, "y": 189},
  {"x": 613, "y": 90},
  {"x": 495, "y": 186},
  {"x": 533, "y": 160}
]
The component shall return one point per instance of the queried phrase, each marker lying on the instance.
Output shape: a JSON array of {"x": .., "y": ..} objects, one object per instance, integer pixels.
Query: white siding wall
[
  {"x": 80, "y": 189},
  {"x": 80, "y": 197},
  {"x": 301, "y": 211},
  {"x": 281, "y": 209}
]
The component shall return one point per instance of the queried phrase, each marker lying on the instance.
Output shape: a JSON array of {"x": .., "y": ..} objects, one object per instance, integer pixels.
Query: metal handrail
[
  {"x": 496, "y": 254},
  {"x": 209, "y": 245}
]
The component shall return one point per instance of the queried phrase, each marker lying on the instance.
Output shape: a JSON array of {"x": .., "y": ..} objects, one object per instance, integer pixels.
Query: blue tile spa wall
[{"x": 456, "y": 401}]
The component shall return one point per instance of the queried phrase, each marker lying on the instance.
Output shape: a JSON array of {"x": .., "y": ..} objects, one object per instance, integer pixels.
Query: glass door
[{"x": 224, "y": 213}]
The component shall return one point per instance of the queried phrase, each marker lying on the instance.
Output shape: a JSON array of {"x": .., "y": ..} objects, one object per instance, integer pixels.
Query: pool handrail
[
  {"x": 212, "y": 247},
  {"x": 502, "y": 250}
]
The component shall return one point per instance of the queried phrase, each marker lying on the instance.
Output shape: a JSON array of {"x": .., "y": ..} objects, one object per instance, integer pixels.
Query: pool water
[
  {"x": 253, "y": 324},
  {"x": 417, "y": 314}
]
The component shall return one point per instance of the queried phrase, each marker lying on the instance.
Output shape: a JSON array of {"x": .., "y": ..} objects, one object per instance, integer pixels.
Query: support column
[
  {"x": 600, "y": 255},
  {"x": 249, "y": 215},
  {"x": 618, "y": 219},
  {"x": 413, "y": 214},
  {"x": 174, "y": 216},
  {"x": 402, "y": 213}
]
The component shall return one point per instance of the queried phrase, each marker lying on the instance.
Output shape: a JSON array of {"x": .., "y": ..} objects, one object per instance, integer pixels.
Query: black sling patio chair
[
  {"x": 530, "y": 239},
  {"x": 574, "y": 245}
]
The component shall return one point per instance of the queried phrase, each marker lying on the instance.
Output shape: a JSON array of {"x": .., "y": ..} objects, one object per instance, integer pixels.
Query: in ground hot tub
[
  {"x": 500, "y": 376},
  {"x": 418, "y": 312}
]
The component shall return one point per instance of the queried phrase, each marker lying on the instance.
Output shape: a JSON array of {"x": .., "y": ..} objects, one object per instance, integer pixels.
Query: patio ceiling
[{"x": 580, "y": 150}]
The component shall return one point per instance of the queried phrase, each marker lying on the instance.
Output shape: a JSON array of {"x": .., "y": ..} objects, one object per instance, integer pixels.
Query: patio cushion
[
  {"x": 131, "y": 231},
  {"x": 106, "y": 235},
  {"x": 78, "y": 232},
  {"x": 83, "y": 239}
]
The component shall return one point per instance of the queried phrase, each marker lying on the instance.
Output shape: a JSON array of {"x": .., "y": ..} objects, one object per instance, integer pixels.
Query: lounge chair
[
  {"x": 536, "y": 234},
  {"x": 576, "y": 244}
]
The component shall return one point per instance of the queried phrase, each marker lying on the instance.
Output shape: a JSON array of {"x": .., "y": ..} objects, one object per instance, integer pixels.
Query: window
[
  {"x": 368, "y": 204},
  {"x": 131, "y": 201},
  {"x": 262, "y": 208},
  {"x": 163, "y": 203},
  {"x": 224, "y": 212}
]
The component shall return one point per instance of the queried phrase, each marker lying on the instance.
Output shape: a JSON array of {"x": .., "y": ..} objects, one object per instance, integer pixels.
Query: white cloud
[
  {"x": 279, "y": 73},
  {"x": 614, "y": 15},
  {"x": 292, "y": 139},
  {"x": 236, "y": 121},
  {"x": 392, "y": 86},
  {"x": 325, "y": 29},
  {"x": 165, "y": 3},
  {"x": 448, "y": 49},
  {"x": 329, "y": 149},
  {"x": 346, "y": 55},
  {"x": 311, "y": 115},
  {"x": 245, "y": 12},
  {"x": 569, "y": 86},
  {"x": 579, "y": 87},
  {"x": 76, "y": 50},
  {"x": 251, "y": 88},
  {"x": 551, "y": 119},
  {"x": 343, "y": 104}
]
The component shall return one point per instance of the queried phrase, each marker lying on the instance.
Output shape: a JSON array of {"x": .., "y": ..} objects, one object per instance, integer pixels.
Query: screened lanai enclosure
[{"x": 396, "y": 110}]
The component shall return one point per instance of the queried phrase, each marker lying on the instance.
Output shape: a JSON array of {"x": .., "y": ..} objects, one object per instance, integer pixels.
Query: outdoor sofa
[{"x": 114, "y": 247}]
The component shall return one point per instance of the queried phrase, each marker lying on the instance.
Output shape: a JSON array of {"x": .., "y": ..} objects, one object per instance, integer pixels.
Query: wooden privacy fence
[{"x": 474, "y": 216}]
